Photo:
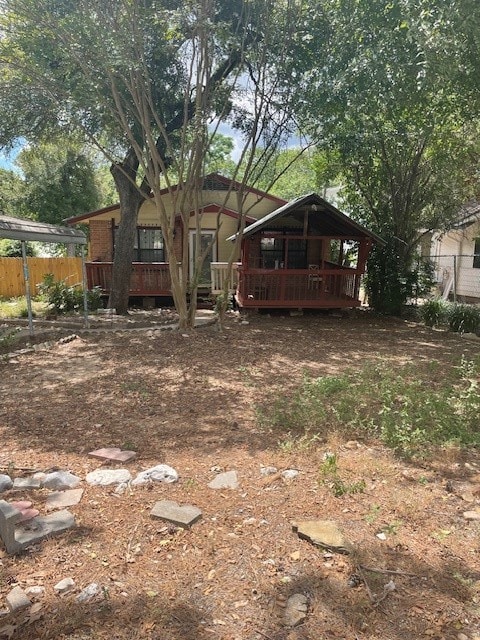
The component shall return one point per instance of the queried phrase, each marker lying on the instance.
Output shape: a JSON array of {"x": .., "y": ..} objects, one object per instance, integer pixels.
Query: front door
[{"x": 207, "y": 239}]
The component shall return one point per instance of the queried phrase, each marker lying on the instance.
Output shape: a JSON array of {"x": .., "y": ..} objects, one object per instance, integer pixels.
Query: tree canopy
[
  {"x": 407, "y": 154},
  {"x": 59, "y": 181}
]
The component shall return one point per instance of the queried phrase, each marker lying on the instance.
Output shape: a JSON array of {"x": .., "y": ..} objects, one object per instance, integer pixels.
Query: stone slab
[
  {"x": 180, "y": 515},
  {"x": 20, "y": 484},
  {"x": 62, "y": 499},
  {"x": 296, "y": 610},
  {"x": 37, "y": 529},
  {"x": 60, "y": 480},
  {"x": 113, "y": 454},
  {"x": 226, "y": 480},
  {"x": 17, "y": 599},
  {"x": 323, "y": 533}
]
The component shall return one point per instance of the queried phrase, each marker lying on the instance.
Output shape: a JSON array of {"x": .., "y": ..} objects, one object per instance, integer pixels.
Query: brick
[{"x": 113, "y": 454}]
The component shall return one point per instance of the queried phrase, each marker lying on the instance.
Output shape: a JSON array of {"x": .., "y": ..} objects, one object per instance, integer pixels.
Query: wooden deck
[
  {"x": 255, "y": 288},
  {"x": 302, "y": 288}
]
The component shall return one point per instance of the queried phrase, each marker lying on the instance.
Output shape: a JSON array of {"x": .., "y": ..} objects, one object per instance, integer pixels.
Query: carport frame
[{"x": 32, "y": 231}]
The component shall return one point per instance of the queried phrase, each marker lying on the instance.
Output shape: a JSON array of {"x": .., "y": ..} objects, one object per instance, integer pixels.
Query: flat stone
[
  {"x": 5, "y": 482},
  {"x": 471, "y": 515},
  {"x": 226, "y": 480},
  {"x": 323, "y": 533},
  {"x": 17, "y": 599},
  {"x": 28, "y": 514},
  {"x": 295, "y": 610},
  {"x": 43, "y": 527},
  {"x": 65, "y": 585},
  {"x": 26, "y": 483},
  {"x": 62, "y": 499},
  {"x": 290, "y": 474},
  {"x": 113, "y": 454},
  {"x": 268, "y": 471},
  {"x": 88, "y": 593},
  {"x": 16, "y": 539},
  {"x": 35, "y": 591},
  {"x": 180, "y": 515},
  {"x": 60, "y": 480},
  {"x": 159, "y": 473},
  {"x": 106, "y": 477}
]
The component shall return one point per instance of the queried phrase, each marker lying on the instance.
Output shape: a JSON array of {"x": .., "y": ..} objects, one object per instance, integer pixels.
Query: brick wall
[{"x": 101, "y": 249}]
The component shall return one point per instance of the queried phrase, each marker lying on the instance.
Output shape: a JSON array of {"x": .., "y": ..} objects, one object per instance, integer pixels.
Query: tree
[
  {"x": 59, "y": 181},
  {"x": 149, "y": 77},
  {"x": 296, "y": 171},
  {"x": 11, "y": 194},
  {"x": 218, "y": 158},
  {"x": 404, "y": 149},
  {"x": 13, "y": 248}
]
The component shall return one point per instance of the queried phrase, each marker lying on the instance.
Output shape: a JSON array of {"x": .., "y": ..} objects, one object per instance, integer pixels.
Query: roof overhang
[
  {"x": 344, "y": 226},
  {"x": 227, "y": 183},
  {"x": 30, "y": 230}
]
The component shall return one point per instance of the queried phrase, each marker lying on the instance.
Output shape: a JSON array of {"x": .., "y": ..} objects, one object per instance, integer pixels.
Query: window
[
  {"x": 278, "y": 252},
  {"x": 148, "y": 245},
  {"x": 476, "y": 257},
  {"x": 271, "y": 250}
]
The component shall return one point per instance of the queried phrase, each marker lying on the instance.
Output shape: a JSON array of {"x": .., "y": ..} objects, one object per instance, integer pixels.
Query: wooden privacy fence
[{"x": 12, "y": 283}]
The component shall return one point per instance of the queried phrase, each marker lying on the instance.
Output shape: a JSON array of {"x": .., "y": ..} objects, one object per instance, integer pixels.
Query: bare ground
[{"x": 190, "y": 402}]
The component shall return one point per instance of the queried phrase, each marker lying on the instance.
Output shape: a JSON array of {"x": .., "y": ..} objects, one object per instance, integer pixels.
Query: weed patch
[{"x": 402, "y": 408}]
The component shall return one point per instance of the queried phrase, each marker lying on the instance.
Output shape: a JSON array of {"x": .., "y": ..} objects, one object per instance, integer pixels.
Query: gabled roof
[
  {"x": 211, "y": 182},
  {"x": 30, "y": 230},
  {"x": 336, "y": 221}
]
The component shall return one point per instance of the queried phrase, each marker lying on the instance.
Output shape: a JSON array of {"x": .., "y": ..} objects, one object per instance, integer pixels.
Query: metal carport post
[{"x": 30, "y": 230}]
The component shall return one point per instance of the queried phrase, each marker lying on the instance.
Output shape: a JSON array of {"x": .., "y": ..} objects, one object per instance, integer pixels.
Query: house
[
  {"x": 150, "y": 274},
  {"x": 456, "y": 256},
  {"x": 305, "y": 254}
]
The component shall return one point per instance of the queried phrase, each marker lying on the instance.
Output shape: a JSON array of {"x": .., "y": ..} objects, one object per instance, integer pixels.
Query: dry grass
[{"x": 191, "y": 403}]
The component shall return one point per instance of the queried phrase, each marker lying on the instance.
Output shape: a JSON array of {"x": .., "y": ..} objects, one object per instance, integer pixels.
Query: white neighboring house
[{"x": 456, "y": 255}]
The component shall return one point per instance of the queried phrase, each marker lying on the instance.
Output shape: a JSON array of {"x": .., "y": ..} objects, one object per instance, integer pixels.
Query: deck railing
[
  {"x": 255, "y": 287},
  {"x": 148, "y": 278},
  {"x": 298, "y": 288},
  {"x": 219, "y": 274}
]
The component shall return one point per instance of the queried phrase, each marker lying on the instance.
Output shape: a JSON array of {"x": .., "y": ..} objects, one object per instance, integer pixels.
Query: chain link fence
[{"x": 456, "y": 277}]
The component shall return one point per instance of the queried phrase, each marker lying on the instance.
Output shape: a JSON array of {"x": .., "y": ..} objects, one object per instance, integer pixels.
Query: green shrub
[
  {"x": 63, "y": 298},
  {"x": 464, "y": 318},
  {"x": 434, "y": 312}
]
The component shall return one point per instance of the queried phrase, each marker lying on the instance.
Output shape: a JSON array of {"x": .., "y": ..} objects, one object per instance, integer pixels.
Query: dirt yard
[{"x": 190, "y": 401}]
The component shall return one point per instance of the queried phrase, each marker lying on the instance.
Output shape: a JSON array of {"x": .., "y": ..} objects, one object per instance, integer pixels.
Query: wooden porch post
[{"x": 363, "y": 251}]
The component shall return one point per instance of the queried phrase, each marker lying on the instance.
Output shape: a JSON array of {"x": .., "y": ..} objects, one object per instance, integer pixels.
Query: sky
[{"x": 7, "y": 159}]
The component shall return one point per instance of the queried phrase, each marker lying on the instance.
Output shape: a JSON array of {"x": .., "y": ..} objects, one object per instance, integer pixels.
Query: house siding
[
  {"x": 101, "y": 248},
  {"x": 461, "y": 244}
]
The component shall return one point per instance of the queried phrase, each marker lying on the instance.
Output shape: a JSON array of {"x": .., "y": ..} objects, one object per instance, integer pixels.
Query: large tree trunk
[{"x": 131, "y": 198}]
